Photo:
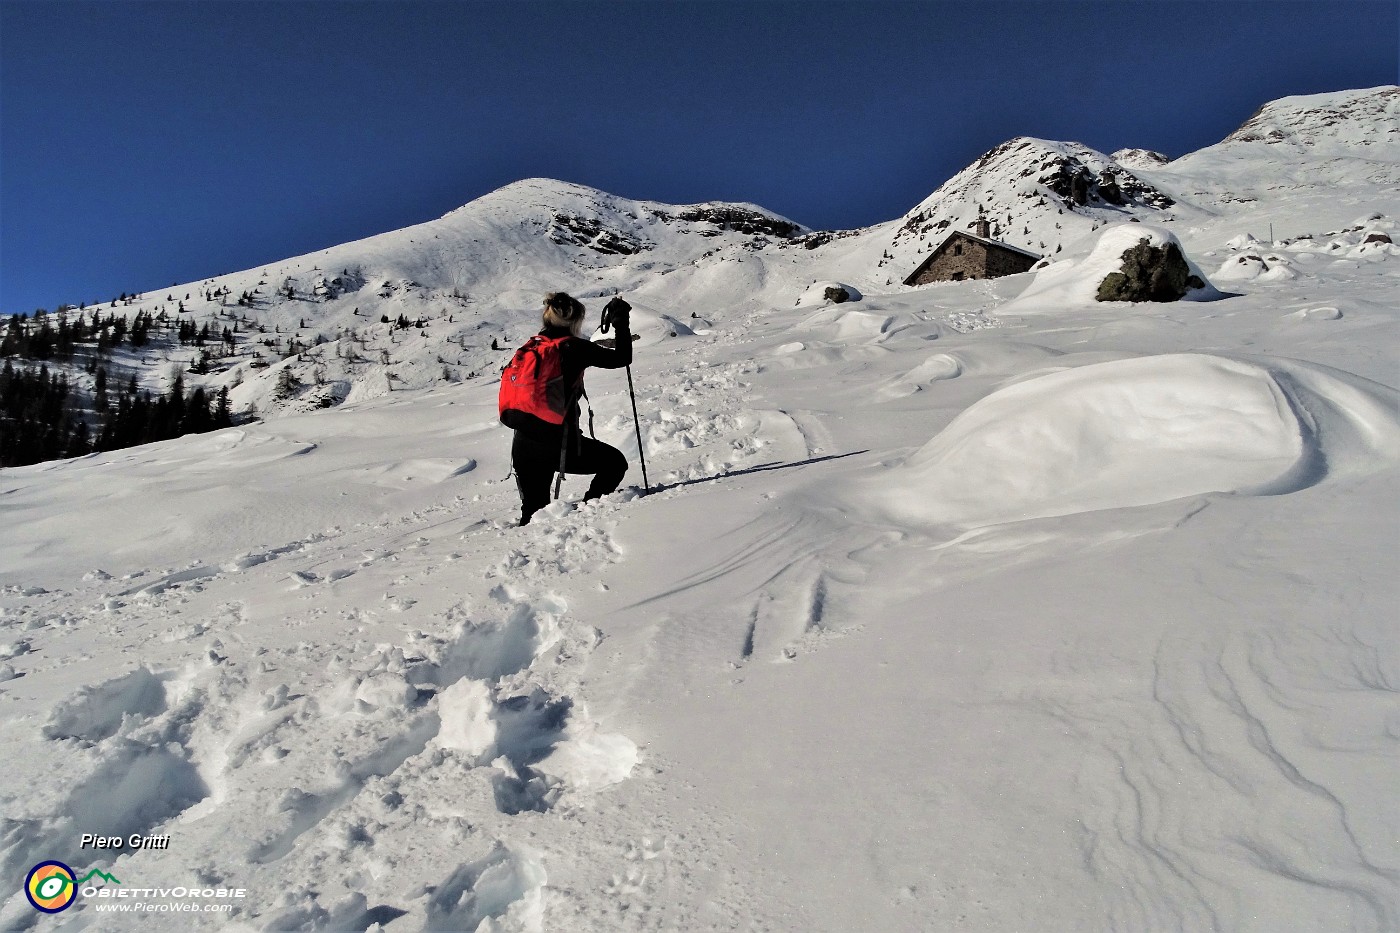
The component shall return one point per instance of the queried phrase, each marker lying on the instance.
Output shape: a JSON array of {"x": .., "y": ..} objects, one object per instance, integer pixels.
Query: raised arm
[{"x": 617, "y": 312}]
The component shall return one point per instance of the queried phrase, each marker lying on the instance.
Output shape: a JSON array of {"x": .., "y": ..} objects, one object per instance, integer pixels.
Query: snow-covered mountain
[
  {"x": 474, "y": 276},
  {"x": 1353, "y": 123},
  {"x": 977, "y": 605},
  {"x": 465, "y": 280},
  {"x": 1335, "y": 147},
  {"x": 1037, "y": 194}
]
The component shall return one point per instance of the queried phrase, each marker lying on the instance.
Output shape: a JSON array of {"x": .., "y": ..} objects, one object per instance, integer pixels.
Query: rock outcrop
[{"x": 1150, "y": 273}]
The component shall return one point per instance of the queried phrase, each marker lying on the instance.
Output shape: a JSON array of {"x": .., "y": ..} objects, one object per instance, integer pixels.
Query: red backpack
[{"x": 533, "y": 383}]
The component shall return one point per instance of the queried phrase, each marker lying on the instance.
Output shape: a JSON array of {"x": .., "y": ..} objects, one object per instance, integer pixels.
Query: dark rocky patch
[
  {"x": 738, "y": 219},
  {"x": 1150, "y": 273},
  {"x": 589, "y": 232}
]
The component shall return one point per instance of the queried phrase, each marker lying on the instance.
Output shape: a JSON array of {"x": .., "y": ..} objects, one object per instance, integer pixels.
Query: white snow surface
[
  {"x": 1075, "y": 280},
  {"x": 980, "y": 605},
  {"x": 1130, "y": 433}
]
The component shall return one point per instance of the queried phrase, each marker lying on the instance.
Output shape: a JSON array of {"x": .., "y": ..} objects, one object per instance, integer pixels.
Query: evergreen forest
[{"x": 46, "y": 415}]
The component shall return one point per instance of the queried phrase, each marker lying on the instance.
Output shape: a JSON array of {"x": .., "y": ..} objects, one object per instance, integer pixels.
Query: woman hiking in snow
[{"x": 539, "y": 399}]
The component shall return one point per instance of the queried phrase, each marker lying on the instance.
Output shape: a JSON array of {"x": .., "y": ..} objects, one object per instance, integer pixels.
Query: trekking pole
[
  {"x": 563, "y": 458},
  {"x": 636, "y": 423},
  {"x": 632, "y": 392}
]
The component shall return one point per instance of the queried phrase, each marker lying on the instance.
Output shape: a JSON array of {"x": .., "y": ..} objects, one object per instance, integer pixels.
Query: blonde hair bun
[{"x": 563, "y": 310}]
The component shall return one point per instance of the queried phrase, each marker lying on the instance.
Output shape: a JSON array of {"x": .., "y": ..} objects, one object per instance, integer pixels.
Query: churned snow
[{"x": 979, "y": 605}]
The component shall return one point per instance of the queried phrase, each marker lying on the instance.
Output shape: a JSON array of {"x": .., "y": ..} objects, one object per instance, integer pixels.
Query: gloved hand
[{"x": 617, "y": 313}]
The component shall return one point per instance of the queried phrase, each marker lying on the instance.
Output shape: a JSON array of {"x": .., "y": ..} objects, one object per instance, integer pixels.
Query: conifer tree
[
  {"x": 223, "y": 417},
  {"x": 287, "y": 383}
]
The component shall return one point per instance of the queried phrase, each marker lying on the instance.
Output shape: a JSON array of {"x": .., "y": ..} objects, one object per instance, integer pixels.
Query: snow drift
[
  {"x": 1075, "y": 281},
  {"x": 1135, "y": 432},
  {"x": 822, "y": 293}
]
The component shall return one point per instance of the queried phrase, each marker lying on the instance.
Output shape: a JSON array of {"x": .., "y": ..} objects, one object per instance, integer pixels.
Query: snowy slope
[
  {"x": 1337, "y": 151},
  {"x": 978, "y": 605},
  {"x": 471, "y": 277},
  {"x": 1350, "y": 123}
]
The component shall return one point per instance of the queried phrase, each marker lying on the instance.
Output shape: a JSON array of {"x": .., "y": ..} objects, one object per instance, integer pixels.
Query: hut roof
[{"x": 995, "y": 244}]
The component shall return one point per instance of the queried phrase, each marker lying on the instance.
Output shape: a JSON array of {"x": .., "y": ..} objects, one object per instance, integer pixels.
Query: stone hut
[{"x": 971, "y": 256}]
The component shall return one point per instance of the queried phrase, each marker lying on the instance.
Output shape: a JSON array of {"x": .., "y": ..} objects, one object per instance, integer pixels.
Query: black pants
[{"x": 537, "y": 461}]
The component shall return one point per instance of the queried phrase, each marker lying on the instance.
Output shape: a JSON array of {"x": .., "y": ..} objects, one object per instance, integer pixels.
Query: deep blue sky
[{"x": 148, "y": 143}]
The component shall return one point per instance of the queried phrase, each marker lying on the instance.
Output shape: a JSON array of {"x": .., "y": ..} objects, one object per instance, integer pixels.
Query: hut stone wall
[{"x": 963, "y": 257}]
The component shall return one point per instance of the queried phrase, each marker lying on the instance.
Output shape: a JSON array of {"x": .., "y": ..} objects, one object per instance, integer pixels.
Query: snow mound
[
  {"x": 648, "y": 327},
  {"x": 815, "y": 295},
  {"x": 1137, "y": 432},
  {"x": 936, "y": 368},
  {"x": 673, "y": 327},
  {"x": 400, "y": 474},
  {"x": 587, "y": 759},
  {"x": 465, "y": 709},
  {"x": 839, "y": 324},
  {"x": 1254, "y": 267},
  {"x": 1075, "y": 281},
  {"x": 1324, "y": 313},
  {"x": 1243, "y": 241}
]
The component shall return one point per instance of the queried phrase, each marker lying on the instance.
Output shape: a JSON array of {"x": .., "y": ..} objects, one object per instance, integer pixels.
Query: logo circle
[{"x": 51, "y": 886}]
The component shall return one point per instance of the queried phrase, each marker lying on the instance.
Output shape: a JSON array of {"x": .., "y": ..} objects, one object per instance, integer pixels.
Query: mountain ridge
[{"x": 412, "y": 307}]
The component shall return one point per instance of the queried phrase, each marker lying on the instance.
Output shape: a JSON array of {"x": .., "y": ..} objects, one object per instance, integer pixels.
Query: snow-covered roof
[{"x": 989, "y": 242}]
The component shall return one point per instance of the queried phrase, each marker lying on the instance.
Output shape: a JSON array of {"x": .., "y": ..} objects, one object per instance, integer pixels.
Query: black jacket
[{"x": 575, "y": 355}]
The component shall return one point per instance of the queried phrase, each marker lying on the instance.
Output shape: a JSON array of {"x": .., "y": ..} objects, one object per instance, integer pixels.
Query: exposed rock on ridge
[{"x": 1361, "y": 118}]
